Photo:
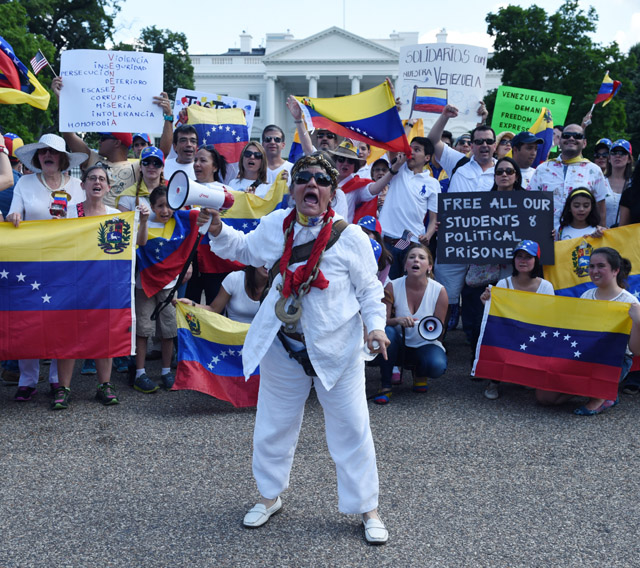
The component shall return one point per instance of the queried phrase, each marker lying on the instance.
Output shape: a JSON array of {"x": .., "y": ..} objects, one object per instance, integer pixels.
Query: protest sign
[
  {"x": 110, "y": 91},
  {"x": 459, "y": 69},
  {"x": 483, "y": 227},
  {"x": 187, "y": 97},
  {"x": 517, "y": 109}
]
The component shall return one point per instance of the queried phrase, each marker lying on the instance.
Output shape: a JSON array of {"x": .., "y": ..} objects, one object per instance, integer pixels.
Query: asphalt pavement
[{"x": 163, "y": 480}]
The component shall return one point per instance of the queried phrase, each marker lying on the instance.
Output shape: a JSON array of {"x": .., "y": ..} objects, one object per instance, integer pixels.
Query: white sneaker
[{"x": 491, "y": 392}]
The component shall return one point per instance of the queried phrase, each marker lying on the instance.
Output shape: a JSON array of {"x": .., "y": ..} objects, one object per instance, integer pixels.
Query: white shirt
[
  {"x": 551, "y": 176},
  {"x": 364, "y": 171},
  {"x": 240, "y": 306},
  {"x": 526, "y": 176},
  {"x": 128, "y": 202},
  {"x": 355, "y": 197},
  {"x": 331, "y": 320},
  {"x": 545, "y": 286},
  {"x": 171, "y": 166},
  {"x": 273, "y": 174},
  {"x": 242, "y": 184},
  {"x": 470, "y": 177},
  {"x": 408, "y": 200},
  {"x": 569, "y": 232},
  {"x": 32, "y": 199}
]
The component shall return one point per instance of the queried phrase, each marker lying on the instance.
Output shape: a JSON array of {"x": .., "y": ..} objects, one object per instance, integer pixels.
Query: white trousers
[
  {"x": 30, "y": 372},
  {"x": 284, "y": 389}
]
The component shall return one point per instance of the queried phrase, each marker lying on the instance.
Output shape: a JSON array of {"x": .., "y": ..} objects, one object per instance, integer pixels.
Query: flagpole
[
  {"x": 413, "y": 101},
  {"x": 49, "y": 64}
]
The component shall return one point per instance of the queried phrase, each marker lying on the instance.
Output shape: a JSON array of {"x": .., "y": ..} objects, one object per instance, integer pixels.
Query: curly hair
[{"x": 316, "y": 159}]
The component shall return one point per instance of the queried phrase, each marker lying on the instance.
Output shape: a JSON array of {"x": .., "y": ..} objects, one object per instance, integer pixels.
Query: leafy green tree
[
  {"x": 178, "y": 70},
  {"x": 554, "y": 53},
  {"x": 629, "y": 94}
]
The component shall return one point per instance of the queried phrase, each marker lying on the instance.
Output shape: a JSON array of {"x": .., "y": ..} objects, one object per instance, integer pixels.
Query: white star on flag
[
  {"x": 567, "y": 337},
  {"x": 577, "y": 354},
  {"x": 543, "y": 334},
  {"x": 4, "y": 274},
  {"x": 35, "y": 286},
  {"x": 533, "y": 339},
  {"x": 556, "y": 334},
  {"x": 46, "y": 298},
  {"x": 21, "y": 277},
  {"x": 523, "y": 347}
]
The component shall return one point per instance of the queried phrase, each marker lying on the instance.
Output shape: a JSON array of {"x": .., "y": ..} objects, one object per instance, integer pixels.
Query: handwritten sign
[
  {"x": 517, "y": 109},
  {"x": 110, "y": 91},
  {"x": 483, "y": 227},
  {"x": 186, "y": 97},
  {"x": 459, "y": 69}
]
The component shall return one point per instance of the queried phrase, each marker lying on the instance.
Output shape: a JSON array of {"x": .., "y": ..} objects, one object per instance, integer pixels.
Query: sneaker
[
  {"x": 454, "y": 316},
  {"x": 145, "y": 384},
  {"x": 107, "y": 394},
  {"x": 23, "y": 394},
  {"x": 121, "y": 364},
  {"x": 89, "y": 367},
  {"x": 168, "y": 380},
  {"x": 61, "y": 398},
  {"x": 396, "y": 378},
  {"x": 491, "y": 392}
]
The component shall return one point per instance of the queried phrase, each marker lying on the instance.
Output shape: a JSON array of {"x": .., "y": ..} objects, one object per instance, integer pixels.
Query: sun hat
[
  {"x": 26, "y": 153},
  {"x": 346, "y": 149}
]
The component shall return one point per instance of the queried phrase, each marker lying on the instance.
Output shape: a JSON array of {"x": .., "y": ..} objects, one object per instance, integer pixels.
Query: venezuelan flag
[
  {"x": 226, "y": 128},
  {"x": 543, "y": 128},
  {"x": 66, "y": 288},
  {"x": 426, "y": 99},
  {"x": 553, "y": 343},
  {"x": 166, "y": 251},
  {"x": 569, "y": 275},
  {"x": 18, "y": 85},
  {"x": 370, "y": 116},
  {"x": 244, "y": 215},
  {"x": 608, "y": 89},
  {"x": 295, "y": 152},
  {"x": 210, "y": 357}
]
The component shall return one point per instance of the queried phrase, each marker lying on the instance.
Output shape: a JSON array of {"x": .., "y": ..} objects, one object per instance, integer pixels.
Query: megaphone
[
  {"x": 430, "y": 328},
  {"x": 183, "y": 191}
]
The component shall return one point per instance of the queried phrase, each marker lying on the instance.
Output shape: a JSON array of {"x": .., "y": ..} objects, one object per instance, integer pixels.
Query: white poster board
[
  {"x": 458, "y": 68},
  {"x": 186, "y": 97},
  {"x": 110, "y": 91}
]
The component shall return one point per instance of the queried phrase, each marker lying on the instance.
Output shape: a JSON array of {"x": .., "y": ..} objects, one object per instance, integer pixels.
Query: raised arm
[
  {"x": 6, "y": 174},
  {"x": 296, "y": 112},
  {"x": 377, "y": 186},
  {"x": 435, "y": 134},
  {"x": 75, "y": 143},
  {"x": 166, "y": 139}
]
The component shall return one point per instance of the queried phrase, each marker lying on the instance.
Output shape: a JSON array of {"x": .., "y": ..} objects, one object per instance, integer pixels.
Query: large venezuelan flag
[
  {"x": 370, "y": 116},
  {"x": 608, "y": 89},
  {"x": 543, "y": 128},
  {"x": 553, "y": 343},
  {"x": 168, "y": 248},
  {"x": 226, "y": 128},
  {"x": 210, "y": 357},
  {"x": 244, "y": 215},
  {"x": 569, "y": 275},
  {"x": 427, "y": 99},
  {"x": 18, "y": 85},
  {"x": 66, "y": 288}
]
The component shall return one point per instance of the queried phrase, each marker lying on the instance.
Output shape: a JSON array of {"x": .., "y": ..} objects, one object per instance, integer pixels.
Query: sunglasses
[
  {"x": 275, "y": 139},
  {"x": 487, "y": 141},
  {"x": 151, "y": 162},
  {"x": 327, "y": 135},
  {"x": 464, "y": 142},
  {"x": 508, "y": 171},
  {"x": 576, "y": 135},
  {"x": 341, "y": 159},
  {"x": 505, "y": 142},
  {"x": 304, "y": 177},
  {"x": 93, "y": 179},
  {"x": 250, "y": 154},
  {"x": 601, "y": 155},
  {"x": 619, "y": 153}
]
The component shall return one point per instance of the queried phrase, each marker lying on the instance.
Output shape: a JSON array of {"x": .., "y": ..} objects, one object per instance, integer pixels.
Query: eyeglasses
[
  {"x": 150, "y": 162},
  {"x": 504, "y": 142},
  {"x": 327, "y": 135},
  {"x": 304, "y": 177},
  {"x": 341, "y": 159},
  {"x": 508, "y": 171},
  {"x": 576, "y": 135},
  {"x": 94, "y": 179},
  {"x": 601, "y": 154},
  {"x": 464, "y": 142},
  {"x": 275, "y": 139},
  {"x": 250, "y": 154},
  {"x": 618, "y": 153},
  {"x": 487, "y": 141},
  {"x": 43, "y": 151}
]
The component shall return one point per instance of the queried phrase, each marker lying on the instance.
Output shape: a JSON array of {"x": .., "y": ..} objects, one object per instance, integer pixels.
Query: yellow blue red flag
[
  {"x": 210, "y": 357},
  {"x": 553, "y": 343},
  {"x": 226, "y": 128},
  {"x": 66, "y": 288},
  {"x": 18, "y": 85},
  {"x": 543, "y": 128},
  {"x": 608, "y": 89},
  {"x": 370, "y": 116},
  {"x": 428, "y": 99}
]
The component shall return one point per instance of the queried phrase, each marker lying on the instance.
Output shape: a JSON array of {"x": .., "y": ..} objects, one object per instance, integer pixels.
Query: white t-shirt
[
  {"x": 171, "y": 166},
  {"x": 240, "y": 306},
  {"x": 526, "y": 176},
  {"x": 569, "y": 232},
  {"x": 32, "y": 199},
  {"x": 242, "y": 185},
  {"x": 273, "y": 174},
  {"x": 364, "y": 171},
  {"x": 469, "y": 177},
  {"x": 409, "y": 198},
  {"x": 545, "y": 286},
  {"x": 355, "y": 197},
  {"x": 128, "y": 202}
]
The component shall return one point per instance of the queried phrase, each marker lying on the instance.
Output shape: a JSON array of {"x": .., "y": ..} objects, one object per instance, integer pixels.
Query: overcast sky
[{"x": 214, "y": 30}]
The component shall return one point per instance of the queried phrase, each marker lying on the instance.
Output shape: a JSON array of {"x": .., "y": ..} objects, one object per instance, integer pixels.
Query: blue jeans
[
  {"x": 397, "y": 267},
  {"x": 429, "y": 360}
]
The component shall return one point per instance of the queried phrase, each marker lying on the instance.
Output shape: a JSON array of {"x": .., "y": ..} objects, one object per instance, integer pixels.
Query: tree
[
  {"x": 629, "y": 94},
  {"x": 178, "y": 70},
  {"x": 554, "y": 53}
]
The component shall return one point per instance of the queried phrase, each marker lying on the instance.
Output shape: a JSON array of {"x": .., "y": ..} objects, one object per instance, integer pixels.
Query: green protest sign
[{"x": 517, "y": 109}]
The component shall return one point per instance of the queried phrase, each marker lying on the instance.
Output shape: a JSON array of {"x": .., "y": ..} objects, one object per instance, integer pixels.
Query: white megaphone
[{"x": 430, "y": 328}]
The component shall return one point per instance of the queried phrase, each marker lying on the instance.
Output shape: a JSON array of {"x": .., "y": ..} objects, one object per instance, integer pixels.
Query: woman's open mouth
[{"x": 311, "y": 198}]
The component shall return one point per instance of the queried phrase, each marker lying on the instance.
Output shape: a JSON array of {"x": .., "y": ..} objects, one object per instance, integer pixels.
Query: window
[{"x": 257, "y": 99}]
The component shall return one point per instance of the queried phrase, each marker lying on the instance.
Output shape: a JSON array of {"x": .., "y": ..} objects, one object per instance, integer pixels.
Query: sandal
[
  {"x": 584, "y": 411},
  {"x": 383, "y": 397},
  {"x": 420, "y": 385}
]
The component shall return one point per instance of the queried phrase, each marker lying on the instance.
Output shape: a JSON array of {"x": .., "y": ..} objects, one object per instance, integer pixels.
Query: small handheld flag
[
  {"x": 39, "y": 62},
  {"x": 426, "y": 99},
  {"x": 608, "y": 90}
]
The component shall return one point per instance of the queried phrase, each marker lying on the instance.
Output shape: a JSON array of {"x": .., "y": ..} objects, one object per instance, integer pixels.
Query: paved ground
[{"x": 164, "y": 480}]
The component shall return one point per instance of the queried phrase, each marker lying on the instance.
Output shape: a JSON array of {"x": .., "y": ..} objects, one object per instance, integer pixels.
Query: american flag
[
  {"x": 38, "y": 62},
  {"x": 404, "y": 241}
]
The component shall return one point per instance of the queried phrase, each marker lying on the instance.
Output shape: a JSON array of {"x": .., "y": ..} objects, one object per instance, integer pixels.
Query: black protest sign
[{"x": 483, "y": 227}]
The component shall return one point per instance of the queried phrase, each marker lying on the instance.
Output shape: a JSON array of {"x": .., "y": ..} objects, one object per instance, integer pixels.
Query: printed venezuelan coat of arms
[
  {"x": 114, "y": 235},
  {"x": 580, "y": 257}
]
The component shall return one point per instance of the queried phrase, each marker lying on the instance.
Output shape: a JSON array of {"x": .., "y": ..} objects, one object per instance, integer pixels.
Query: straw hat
[
  {"x": 28, "y": 152},
  {"x": 348, "y": 150}
]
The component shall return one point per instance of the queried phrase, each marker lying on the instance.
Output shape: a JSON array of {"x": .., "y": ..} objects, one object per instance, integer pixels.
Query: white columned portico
[
  {"x": 269, "y": 104},
  {"x": 355, "y": 83},
  {"x": 313, "y": 85}
]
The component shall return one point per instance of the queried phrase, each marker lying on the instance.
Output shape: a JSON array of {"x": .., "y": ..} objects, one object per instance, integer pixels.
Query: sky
[{"x": 212, "y": 30}]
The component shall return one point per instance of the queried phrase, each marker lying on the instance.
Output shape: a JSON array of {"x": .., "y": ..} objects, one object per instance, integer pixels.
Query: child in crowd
[
  {"x": 371, "y": 227},
  {"x": 580, "y": 217}
]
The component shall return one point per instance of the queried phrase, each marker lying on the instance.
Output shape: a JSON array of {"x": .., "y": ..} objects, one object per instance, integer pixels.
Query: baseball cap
[
  {"x": 526, "y": 138},
  {"x": 370, "y": 223},
  {"x": 124, "y": 137},
  {"x": 531, "y": 247},
  {"x": 152, "y": 152}
]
